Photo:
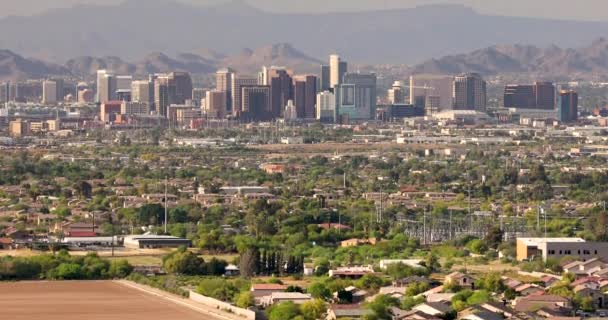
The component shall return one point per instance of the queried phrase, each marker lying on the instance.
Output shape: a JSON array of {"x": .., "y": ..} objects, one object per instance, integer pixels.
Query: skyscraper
[
  {"x": 281, "y": 87},
  {"x": 337, "y": 69},
  {"x": 216, "y": 104},
  {"x": 162, "y": 92},
  {"x": 142, "y": 91},
  {"x": 326, "y": 106},
  {"x": 470, "y": 92},
  {"x": 305, "y": 95},
  {"x": 256, "y": 103},
  {"x": 183, "y": 86},
  {"x": 49, "y": 92},
  {"x": 106, "y": 86},
  {"x": 519, "y": 96},
  {"x": 540, "y": 95},
  {"x": 545, "y": 95},
  {"x": 324, "y": 79},
  {"x": 223, "y": 82},
  {"x": 424, "y": 85},
  {"x": 356, "y": 96},
  {"x": 238, "y": 82},
  {"x": 174, "y": 88},
  {"x": 568, "y": 107},
  {"x": 396, "y": 94}
]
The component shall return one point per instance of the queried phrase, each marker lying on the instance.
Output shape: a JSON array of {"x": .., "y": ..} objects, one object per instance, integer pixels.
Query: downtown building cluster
[{"x": 334, "y": 95}]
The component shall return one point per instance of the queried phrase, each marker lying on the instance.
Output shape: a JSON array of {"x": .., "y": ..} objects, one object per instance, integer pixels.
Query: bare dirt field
[{"x": 91, "y": 300}]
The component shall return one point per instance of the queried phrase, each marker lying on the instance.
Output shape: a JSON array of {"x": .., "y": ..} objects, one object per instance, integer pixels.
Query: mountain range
[
  {"x": 587, "y": 62},
  {"x": 135, "y": 28},
  {"x": 15, "y": 67},
  {"x": 550, "y": 62}
]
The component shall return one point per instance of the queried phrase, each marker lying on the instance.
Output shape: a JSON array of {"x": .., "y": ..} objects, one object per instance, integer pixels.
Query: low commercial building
[
  {"x": 90, "y": 241},
  {"x": 155, "y": 241},
  {"x": 557, "y": 248}
]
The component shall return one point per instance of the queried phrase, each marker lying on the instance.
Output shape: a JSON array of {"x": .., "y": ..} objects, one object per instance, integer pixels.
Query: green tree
[
  {"x": 283, "y": 311},
  {"x": 319, "y": 291},
  {"x": 245, "y": 299},
  {"x": 313, "y": 310},
  {"x": 183, "y": 261}
]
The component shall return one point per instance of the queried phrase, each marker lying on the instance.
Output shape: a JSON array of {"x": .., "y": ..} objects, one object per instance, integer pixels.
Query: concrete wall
[{"x": 214, "y": 303}]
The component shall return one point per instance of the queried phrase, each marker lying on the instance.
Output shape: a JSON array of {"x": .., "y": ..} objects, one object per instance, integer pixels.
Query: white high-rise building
[
  {"x": 326, "y": 106},
  {"x": 49, "y": 92},
  {"x": 396, "y": 94},
  {"x": 440, "y": 87},
  {"x": 337, "y": 69},
  {"x": 142, "y": 91},
  {"x": 290, "y": 113}
]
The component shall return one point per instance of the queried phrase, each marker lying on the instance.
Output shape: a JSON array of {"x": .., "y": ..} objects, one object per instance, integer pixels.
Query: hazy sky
[{"x": 559, "y": 9}]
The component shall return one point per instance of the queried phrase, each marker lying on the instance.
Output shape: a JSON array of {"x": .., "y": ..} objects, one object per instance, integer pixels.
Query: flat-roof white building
[{"x": 557, "y": 248}]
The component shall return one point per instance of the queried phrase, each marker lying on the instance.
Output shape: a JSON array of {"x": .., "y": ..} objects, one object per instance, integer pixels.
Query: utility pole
[
  {"x": 166, "y": 181},
  {"x": 424, "y": 227}
]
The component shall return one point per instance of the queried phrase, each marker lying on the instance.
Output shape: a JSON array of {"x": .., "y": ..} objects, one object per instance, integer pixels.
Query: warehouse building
[
  {"x": 150, "y": 241},
  {"x": 557, "y": 248}
]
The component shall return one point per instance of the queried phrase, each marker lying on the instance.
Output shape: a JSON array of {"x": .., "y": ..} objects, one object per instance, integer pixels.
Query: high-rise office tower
[
  {"x": 280, "y": 81},
  {"x": 60, "y": 88},
  {"x": 568, "y": 107},
  {"x": 324, "y": 79},
  {"x": 106, "y": 86},
  {"x": 519, "y": 96},
  {"x": 216, "y": 104},
  {"x": 238, "y": 82},
  {"x": 291, "y": 112},
  {"x": 123, "y": 82},
  {"x": 162, "y": 94},
  {"x": 143, "y": 91},
  {"x": 256, "y": 103},
  {"x": 183, "y": 86},
  {"x": 540, "y": 95},
  {"x": 423, "y": 85},
  {"x": 305, "y": 95},
  {"x": 198, "y": 94},
  {"x": 470, "y": 92},
  {"x": 337, "y": 69},
  {"x": 544, "y": 93},
  {"x": 356, "y": 96},
  {"x": 396, "y": 94},
  {"x": 49, "y": 92},
  {"x": 174, "y": 88},
  {"x": 326, "y": 106},
  {"x": 223, "y": 82}
]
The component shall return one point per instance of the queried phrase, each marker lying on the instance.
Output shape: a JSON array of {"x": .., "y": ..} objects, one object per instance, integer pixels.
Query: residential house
[
  {"x": 528, "y": 289},
  {"x": 591, "y": 290},
  {"x": 460, "y": 279},
  {"x": 278, "y": 297},
  {"x": 351, "y": 272},
  {"x": 535, "y": 302},
  {"x": 260, "y": 290},
  {"x": 434, "y": 308},
  {"x": 350, "y": 311}
]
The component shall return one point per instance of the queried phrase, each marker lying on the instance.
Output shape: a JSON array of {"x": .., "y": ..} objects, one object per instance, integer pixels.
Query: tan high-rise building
[
  {"x": 106, "y": 86},
  {"x": 18, "y": 128},
  {"x": 223, "y": 82},
  {"x": 422, "y": 86},
  {"x": 238, "y": 82},
  {"x": 337, "y": 69},
  {"x": 49, "y": 92},
  {"x": 173, "y": 88},
  {"x": 142, "y": 91},
  {"x": 216, "y": 104}
]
